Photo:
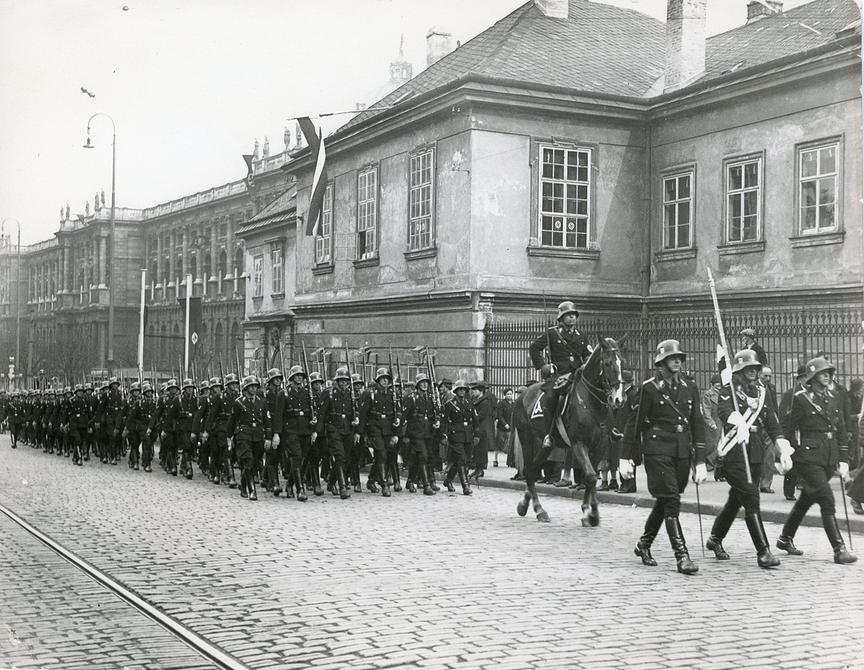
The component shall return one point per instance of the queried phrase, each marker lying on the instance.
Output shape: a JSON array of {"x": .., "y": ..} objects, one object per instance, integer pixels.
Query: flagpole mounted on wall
[
  {"x": 141, "y": 329},
  {"x": 186, "y": 335}
]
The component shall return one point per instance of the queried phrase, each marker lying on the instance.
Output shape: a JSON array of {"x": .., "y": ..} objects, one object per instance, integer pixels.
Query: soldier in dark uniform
[
  {"x": 668, "y": 432},
  {"x": 484, "y": 404},
  {"x": 274, "y": 457},
  {"x": 168, "y": 419},
  {"x": 337, "y": 419},
  {"x": 198, "y": 423},
  {"x": 216, "y": 431},
  {"x": 144, "y": 413},
  {"x": 298, "y": 429},
  {"x": 754, "y": 415},
  {"x": 421, "y": 422},
  {"x": 79, "y": 423},
  {"x": 378, "y": 423},
  {"x": 317, "y": 450},
  {"x": 134, "y": 428},
  {"x": 112, "y": 420},
  {"x": 185, "y": 427},
  {"x": 818, "y": 435},
  {"x": 461, "y": 425},
  {"x": 567, "y": 350},
  {"x": 250, "y": 427}
]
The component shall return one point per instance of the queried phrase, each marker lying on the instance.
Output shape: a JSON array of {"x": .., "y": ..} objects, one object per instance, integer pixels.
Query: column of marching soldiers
[{"x": 284, "y": 436}]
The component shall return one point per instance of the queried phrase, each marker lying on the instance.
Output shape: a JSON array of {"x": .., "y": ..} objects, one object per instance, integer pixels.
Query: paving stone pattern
[{"x": 437, "y": 582}]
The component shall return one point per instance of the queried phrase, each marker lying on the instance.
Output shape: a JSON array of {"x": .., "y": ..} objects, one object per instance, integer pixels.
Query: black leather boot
[
  {"x": 243, "y": 493},
  {"x": 466, "y": 489},
  {"x": 382, "y": 479},
  {"x": 835, "y": 537},
  {"x": 253, "y": 492},
  {"x": 784, "y": 543},
  {"x": 422, "y": 481},
  {"x": 355, "y": 477},
  {"x": 430, "y": 477},
  {"x": 344, "y": 493},
  {"x": 448, "y": 478},
  {"x": 679, "y": 546},
  {"x": 397, "y": 480},
  {"x": 764, "y": 557},
  {"x": 715, "y": 544}
]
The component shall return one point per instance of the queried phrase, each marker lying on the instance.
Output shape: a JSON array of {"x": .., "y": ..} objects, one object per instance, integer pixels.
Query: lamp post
[
  {"x": 110, "y": 254},
  {"x": 17, "y": 294}
]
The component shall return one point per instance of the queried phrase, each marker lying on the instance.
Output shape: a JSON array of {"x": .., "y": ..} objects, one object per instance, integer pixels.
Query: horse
[{"x": 596, "y": 389}]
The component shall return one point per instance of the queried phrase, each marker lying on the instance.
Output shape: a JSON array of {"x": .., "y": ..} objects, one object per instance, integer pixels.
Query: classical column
[
  {"x": 102, "y": 260},
  {"x": 64, "y": 285}
]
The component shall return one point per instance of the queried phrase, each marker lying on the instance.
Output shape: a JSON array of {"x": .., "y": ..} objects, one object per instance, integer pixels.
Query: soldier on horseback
[{"x": 557, "y": 353}]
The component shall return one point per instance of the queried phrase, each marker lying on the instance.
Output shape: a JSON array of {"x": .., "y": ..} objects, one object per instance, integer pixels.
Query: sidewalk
[{"x": 712, "y": 497}]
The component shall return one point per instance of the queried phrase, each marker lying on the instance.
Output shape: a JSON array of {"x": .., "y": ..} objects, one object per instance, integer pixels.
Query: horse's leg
[
  {"x": 590, "y": 510},
  {"x": 538, "y": 508},
  {"x": 522, "y": 507}
]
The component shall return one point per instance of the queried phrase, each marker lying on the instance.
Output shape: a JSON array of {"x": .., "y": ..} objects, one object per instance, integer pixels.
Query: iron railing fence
[{"x": 789, "y": 336}]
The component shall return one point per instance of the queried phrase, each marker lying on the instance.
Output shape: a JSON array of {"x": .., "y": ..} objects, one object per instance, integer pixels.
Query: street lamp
[
  {"x": 110, "y": 254},
  {"x": 17, "y": 292}
]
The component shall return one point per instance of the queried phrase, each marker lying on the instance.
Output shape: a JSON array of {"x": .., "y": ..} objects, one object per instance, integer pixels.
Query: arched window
[
  {"x": 219, "y": 342},
  {"x": 236, "y": 345},
  {"x": 220, "y": 269},
  {"x": 238, "y": 260},
  {"x": 207, "y": 266},
  {"x": 193, "y": 266}
]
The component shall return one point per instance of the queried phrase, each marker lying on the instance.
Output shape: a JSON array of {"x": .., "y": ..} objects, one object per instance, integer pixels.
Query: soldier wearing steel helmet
[
  {"x": 298, "y": 431},
  {"x": 754, "y": 417},
  {"x": 461, "y": 425},
  {"x": 199, "y": 444},
  {"x": 79, "y": 422},
  {"x": 311, "y": 467},
  {"x": 336, "y": 417},
  {"x": 167, "y": 426},
  {"x": 817, "y": 431},
  {"x": 379, "y": 423},
  {"x": 421, "y": 422},
  {"x": 250, "y": 425},
  {"x": 559, "y": 351},
  {"x": 133, "y": 430},
  {"x": 184, "y": 433},
  {"x": 667, "y": 433},
  {"x": 216, "y": 430},
  {"x": 274, "y": 396}
]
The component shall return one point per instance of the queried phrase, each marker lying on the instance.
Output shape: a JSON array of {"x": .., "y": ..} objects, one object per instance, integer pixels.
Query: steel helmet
[
  {"x": 460, "y": 384},
  {"x": 135, "y": 386},
  {"x": 113, "y": 381},
  {"x": 294, "y": 371},
  {"x": 274, "y": 373},
  {"x": 420, "y": 378},
  {"x": 356, "y": 378},
  {"x": 667, "y": 349},
  {"x": 815, "y": 366},
  {"x": 215, "y": 382},
  {"x": 146, "y": 387},
  {"x": 746, "y": 358},
  {"x": 172, "y": 383},
  {"x": 565, "y": 308},
  {"x": 315, "y": 377},
  {"x": 231, "y": 378},
  {"x": 79, "y": 387},
  {"x": 204, "y": 386},
  {"x": 188, "y": 384},
  {"x": 249, "y": 380},
  {"x": 341, "y": 373}
]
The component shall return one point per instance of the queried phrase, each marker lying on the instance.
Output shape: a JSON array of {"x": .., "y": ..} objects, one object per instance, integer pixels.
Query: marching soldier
[
  {"x": 378, "y": 422},
  {"x": 668, "y": 425},
  {"x": 112, "y": 419},
  {"x": 216, "y": 430},
  {"x": 275, "y": 399},
  {"x": 185, "y": 427},
  {"x": 145, "y": 411},
  {"x": 79, "y": 423},
  {"x": 567, "y": 350},
  {"x": 359, "y": 452},
  {"x": 745, "y": 426},
  {"x": 337, "y": 418},
  {"x": 167, "y": 420},
  {"x": 461, "y": 425},
  {"x": 421, "y": 422},
  {"x": 317, "y": 449},
  {"x": 199, "y": 422},
  {"x": 298, "y": 429},
  {"x": 135, "y": 426},
  {"x": 818, "y": 435},
  {"x": 250, "y": 427}
]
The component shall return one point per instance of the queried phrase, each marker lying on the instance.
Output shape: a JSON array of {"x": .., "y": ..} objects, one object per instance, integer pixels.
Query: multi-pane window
[
  {"x": 420, "y": 200},
  {"x": 258, "y": 276},
  {"x": 367, "y": 213},
  {"x": 677, "y": 211},
  {"x": 743, "y": 201},
  {"x": 565, "y": 187},
  {"x": 818, "y": 183},
  {"x": 323, "y": 243},
  {"x": 276, "y": 265}
]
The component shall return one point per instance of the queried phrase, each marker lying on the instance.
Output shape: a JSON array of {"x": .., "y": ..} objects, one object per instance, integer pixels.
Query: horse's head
[{"x": 610, "y": 364}]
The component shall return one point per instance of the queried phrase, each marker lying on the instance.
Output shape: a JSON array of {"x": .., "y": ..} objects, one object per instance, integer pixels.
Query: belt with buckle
[
  {"x": 678, "y": 428},
  {"x": 826, "y": 433}
]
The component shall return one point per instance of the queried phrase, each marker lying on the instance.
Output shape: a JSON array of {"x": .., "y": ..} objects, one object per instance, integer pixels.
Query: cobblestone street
[{"x": 411, "y": 581}]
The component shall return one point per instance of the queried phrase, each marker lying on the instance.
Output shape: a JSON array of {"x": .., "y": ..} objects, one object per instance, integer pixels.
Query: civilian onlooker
[
  {"x": 769, "y": 449},
  {"x": 710, "y": 397},
  {"x": 511, "y": 456},
  {"x": 504, "y": 418},
  {"x": 856, "y": 405},
  {"x": 485, "y": 407},
  {"x": 748, "y": 339}
]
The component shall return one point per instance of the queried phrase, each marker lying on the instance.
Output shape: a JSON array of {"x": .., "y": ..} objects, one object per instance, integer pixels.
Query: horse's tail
[{"x": 518, "y": 453}]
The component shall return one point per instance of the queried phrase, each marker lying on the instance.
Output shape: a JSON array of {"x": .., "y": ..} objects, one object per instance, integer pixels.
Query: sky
[{"x": 190, "y": 84}]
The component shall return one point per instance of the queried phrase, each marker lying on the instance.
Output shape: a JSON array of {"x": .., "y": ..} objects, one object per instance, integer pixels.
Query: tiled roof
[
  {"x": 281, "y": 210},
  {"x": 614, "y": 51}
]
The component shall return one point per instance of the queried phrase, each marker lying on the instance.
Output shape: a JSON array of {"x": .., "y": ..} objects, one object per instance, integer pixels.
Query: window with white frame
[
  {"x": 420, "y": 200},
  {"x": 744, "y": 200},
  {"x": 276, "y": 265},
  {"x": 818, "y": 188},
  {"x": 258, "y": 276},
  {"x": 565, "y": 205},
  {"x": 324, "y": 241},
  {"x": 367, "y": 213},
  {"x": 678, "y": 211}
]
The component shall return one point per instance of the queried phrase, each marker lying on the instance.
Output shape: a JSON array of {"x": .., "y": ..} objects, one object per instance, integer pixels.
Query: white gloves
[
  {"x": 786, "y": 452},
  {"x": 742, "y": 431},
  {"x": 843, "y": 469},
  {"x": 701, "y": 473},
  {"x": 625, "y": 468},
  {"x": 275, "y": 441}
]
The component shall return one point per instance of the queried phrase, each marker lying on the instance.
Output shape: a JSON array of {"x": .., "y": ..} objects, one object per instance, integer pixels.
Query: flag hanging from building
[{"x": 315, "y": 138}]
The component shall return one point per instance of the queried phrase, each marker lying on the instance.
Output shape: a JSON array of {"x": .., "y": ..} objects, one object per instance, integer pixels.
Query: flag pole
[
  {"x": 186, "y": 334},
  {"x": 729, "y": 364},
  {"x": 141, "y": 329}
]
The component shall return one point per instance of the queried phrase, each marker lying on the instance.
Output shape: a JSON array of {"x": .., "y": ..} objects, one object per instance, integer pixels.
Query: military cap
[
  {"x": 815, "y": 366},
  {"x": 79, "y": 387},
  {"x": 445, "y": 382},
  {"x": 748, "y": 332},
  {"x": 565, "y": 308},
  {"x": 113, "y": 381},
  {"x": 746, "y": 358},
  {"x": 667, "y": 349},
  {"x": 274, "y": 373},
  {"x": 480, "y": 385}
]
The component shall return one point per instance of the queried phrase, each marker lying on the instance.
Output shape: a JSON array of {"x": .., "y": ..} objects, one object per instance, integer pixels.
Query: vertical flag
[
  {"x": 723, "y": 366},
  {"x": 315, "y": 138}
]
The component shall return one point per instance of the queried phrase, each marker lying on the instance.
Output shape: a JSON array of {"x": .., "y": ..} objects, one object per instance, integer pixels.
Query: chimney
[
  {"x": 685, "y": 42},
  {"x": 554, "y": 9},
  {"x": 759, "y": 9},
  {"x": 438, "y": 44}
]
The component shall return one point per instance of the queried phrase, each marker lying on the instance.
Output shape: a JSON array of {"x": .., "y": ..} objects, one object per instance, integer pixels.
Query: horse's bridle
[{"x": 602, "y": 394}]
